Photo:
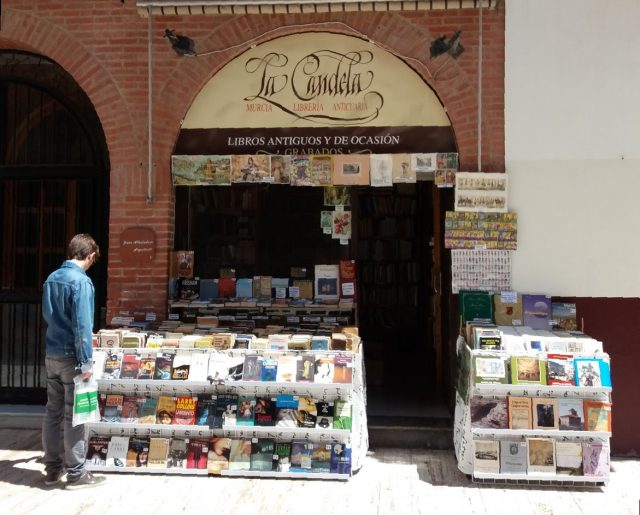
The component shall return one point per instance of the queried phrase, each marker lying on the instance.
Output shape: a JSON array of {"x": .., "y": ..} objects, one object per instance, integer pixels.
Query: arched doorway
[{"x": 53, "y": 184}]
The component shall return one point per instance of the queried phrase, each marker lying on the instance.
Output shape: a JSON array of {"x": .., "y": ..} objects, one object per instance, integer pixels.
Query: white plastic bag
[{"x": 85, "y": 401}]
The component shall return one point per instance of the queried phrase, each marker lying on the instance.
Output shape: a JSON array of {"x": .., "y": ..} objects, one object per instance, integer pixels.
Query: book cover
[
  {"x": 265, "y": 411},
  {"x": 563, "y": 316},
  {"x": 545, "y": 413},
  {"x": 158, "y": 452},
  {"x": 324, "y": 368},
  {"x": 117, "y": 451},
  {"x": 218, "y": 367},
  {"x": 199, "y": 367},
  {"x": 570, "y": 414},
  {"x": 305, "y": 288},
  {"x": 97, "y": 450},
  {"x": 246, "y": 411},
  {"x": 112, "y": 363},
  {"x": 164, "y": 362},
  {"x": 528, "y": 370},
  {"x": 593, "y": 372},
  {"x": 130, "y": 366},
  {"x": 536, "y": 311},
  {"x": 347, "y": 276},
  {"x": 269, "y": 369},
  {"x": 166, "y": 410},
  {"x": 486, "y": 456},
  {"x": 227, "y": 287},
  {"x": 519, "y": 409},
  {"x": 148, "y": 411},
  {"x": 569, "y": 458},
  {"x": 178, "y": 453},
  {"x": 181, "y": 365},
  {"x": 138, "y": 452},
  {"x": 507, "y": 308},
  {"x": 342, "y": 414},
  {"x": 596, "y": 460},
  {"x": 321, "y": 343},
  {"x": 475, "y": 305},
  {"x": 282, "y": 456},
  {"x": 488, "y": 412},
  {"x": 560, "y": 369},
  {"x": 252, "y": 369},
  {"x": 343, "y": 369},
  {"x": 188, "y": 288},
  {"x": 286, "y": 410},
  {"x": 513, "y": 457},
  {"x": 209, "y": 289},
  {"x": 301, "y": 452},
  {"x": 206, "y": 410},
  {"x": 306, "y": 414},
  {"x": 181, "y": 263},
  {"x": 131, "y": 407},
  {"x": 218, "y": 457},
  {"x": 326, "y": 282},
  {"x": 490, "y": 368},
  {"x": 340, "y": 459},
  {"x": 286, "y": 369},
  {"x": 305, "y": 368},
  {"x": 487, "y": 337},
  {"x": 321, "y": 458},
  {"x": 324, "y": 414},
  {"x": 541, "y": 456},
  {"x": 244, "y": 288},
  {"x": 240, "y": 454},
  {"x": 109, "y": 339},
  {"x": 262, "y": 453},
  {"x": 597, "y": 415},
  {"x": 185, "y": 414},
  {"x": 113, "y": 408},
  {"x": 147, "y": 368},
  {"x": 197, "y": 453},
  {"x": 226, "y": 410}
]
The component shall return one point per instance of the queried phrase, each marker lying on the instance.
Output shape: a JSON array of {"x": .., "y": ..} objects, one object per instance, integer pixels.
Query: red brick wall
[{"x": 103, "y": 45}]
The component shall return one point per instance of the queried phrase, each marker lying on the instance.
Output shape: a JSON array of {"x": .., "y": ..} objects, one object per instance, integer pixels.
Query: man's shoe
[
  {"x": 86, "y": 481},
  {"x": 53, "y": 478}
]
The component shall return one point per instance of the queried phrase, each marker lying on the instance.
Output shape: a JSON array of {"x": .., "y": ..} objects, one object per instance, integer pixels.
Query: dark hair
[{"x": 81, "y": 245}]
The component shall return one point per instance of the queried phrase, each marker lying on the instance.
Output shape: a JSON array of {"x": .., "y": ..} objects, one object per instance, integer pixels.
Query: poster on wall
[
  {"x": 476, "y": 191},
  {"x": 481, "y": 231},
  {"x": 485, "y": 270},
  {"x": 201, "y": 170}
]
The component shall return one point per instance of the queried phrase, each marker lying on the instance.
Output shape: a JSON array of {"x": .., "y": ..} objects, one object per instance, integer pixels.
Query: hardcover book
[
  {"x": 595, "y": 460},
  {"x": 541, "y": 456},
  {"x": 117, "y": 451},
  {"x": 342, "y": 414},
  {"x": 321, "y": 458},
  {"x": 513, "y": 457},
  {"x": 475, "y": 305},
  {"x": 262, "y": 452},
  {"x": 178, "y": 453},
  {"x": 570, "y": 414},
  {"x": 569, "y": 458},
  {"x": 240, "y": 454},
  {"x": 197, "y": 453},
  {"x": 307, "y": 414},
  {"x": 490, "y": 368},
  {"x": 227, "y": 288},
  {"x": 324, "y": 411},
  {"x": 560, "y": 369},
  {"x": 148, "y": 411},
  {"x": 536, "y": 311},
  {"x": 218, "y": 457},
  {"x": 265, "y": 411},
  {"x": 507, "y": 308},
  {"x": 592, "y": 372},
  {"x": 340, "y": 459},
  {"x": 528, "y": 370},
  {"x": 489, "y": 413},
  {"x": 138, "y": 452},
  {"x": 130, "y": 366},
  {"x": 545, "y": 413},
  {"x": 166, "y": 410},
  {"x": 246, "y": 411},
  {"x": 486, "y": 456},
  {"x": 185, "y": 413},
  {"x": 97, "y": 450},
  {"x": 597, "y": 415},
  {"x": 158, "y": 452},
  {"x": 519, "y": 409}
]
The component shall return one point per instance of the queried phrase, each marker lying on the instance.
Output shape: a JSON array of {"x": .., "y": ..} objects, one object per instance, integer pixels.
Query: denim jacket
[{"x": 68, "y": 307}]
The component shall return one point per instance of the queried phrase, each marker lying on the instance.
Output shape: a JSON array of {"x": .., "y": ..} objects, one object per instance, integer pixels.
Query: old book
[
  {"x": 164, "y": 362},
  {"x": 528, "y": 370},
  {"x": 507, "y": 308},
  {"x": 541, "y": 456},
  {"x": 475, "y": 305},
  {"x": 286, "y": 410},
  {"x": 246, "y": 411},
  {"x": 596, "y": 459},
  {"x": 265, "y": 411},
  {"x": 597, "y": 415},
  {"x": 536, "y": 311},
  {"x": 490, "y": 368},
  {"x": 569, "y": 458},
  {"x": 560, "y": 369},
  {"x": 570, "y": 414},
  {"x": 112, "y": 364},
  {"x": 327, "y": 282},
  {"x": 592, "y": 372},
  {"x": 158, "y": 452},
  {"x": 489, "y": 412},
  {"x": 519, "y": 409},
  {"x": 307, "y": 412},
  {"x": 147, "y": 367},
  {"x": 343, "y": 368},
  {"x": 486, "y": 456},
  {"x": 545, "y": 413},
  {"x": 513, "y": 457}
]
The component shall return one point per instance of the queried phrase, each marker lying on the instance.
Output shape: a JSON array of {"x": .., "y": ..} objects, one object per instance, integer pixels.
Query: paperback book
[
  {"x": 301, "y": 453},
  {"x": 97, "y": 450},
  {"x": 597, "y": 416},
  {"x": 592, "y": 372},
  {"x": 340, "y": 459},
  {"x": 240, "y": 454},
  {"x": 305, "y": 368},
  {"x": 486, "y": 456},
  {"x": 536, "y": 311},
  {"x": 560, "y": 369},
  {"x": 178, "y": 453},
  {"x": 130, "y": 366},
  {"x": 519, "y": 409},
  {"x": 117, "y": 451},
  {"x": 324, "y": 410},
  {"x": 489, "y": 412},
  {"x": 541, "y": 456},
  {"x": 113, "y": 408},
  {"x": 513, "y": 457},
  {"x": 595, "y": 460},
  {"x": 286, "y": 410},
  {"x": 265, "y": 411},
  {"x": 570, "y": 414},
  {"x": 569, "y": 458},
  {"x": 218, "y": 457},
  {"x": 148, "y": 411},
  {"x": 307, "y": 414},
  {"x": 138, "y": 452},
  {"x": 197, "y": 453},
  {"x": 131, "y": 407},
  {"x": 342, "y": 414},
  {"x": 282, "y": 456},
  {"x": 321, "y": 458},
  {"x": 185, "y": 413},
  {"x": 246, "y": 411},
  {"x": 262, "y": 453},
  {"x": 166, "y": 410},
  {"x": 158, "y": 452},
  {"x": 528, "y": 370},
  {"x": 545, "y": 413}
]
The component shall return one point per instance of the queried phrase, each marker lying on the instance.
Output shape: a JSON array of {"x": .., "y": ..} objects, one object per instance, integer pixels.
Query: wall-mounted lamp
[
  {"x": 453, "y": 47},
  {"x": 181, "y": 44}
]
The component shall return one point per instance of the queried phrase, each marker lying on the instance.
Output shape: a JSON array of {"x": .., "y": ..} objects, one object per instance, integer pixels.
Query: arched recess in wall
[{"x": 53, "y": 184}]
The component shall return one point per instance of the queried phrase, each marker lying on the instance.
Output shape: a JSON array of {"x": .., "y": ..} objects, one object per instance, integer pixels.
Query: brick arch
[
  {"x": 453, "y": 81},
  {"x": 23, "y": 31}
]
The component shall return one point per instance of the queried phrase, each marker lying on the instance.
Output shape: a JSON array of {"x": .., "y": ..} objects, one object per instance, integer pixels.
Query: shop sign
[{"x": 137, "y": 245}]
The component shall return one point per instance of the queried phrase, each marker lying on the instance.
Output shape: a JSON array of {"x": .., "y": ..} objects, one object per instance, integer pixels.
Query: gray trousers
[{"x": 57, "y": 421}]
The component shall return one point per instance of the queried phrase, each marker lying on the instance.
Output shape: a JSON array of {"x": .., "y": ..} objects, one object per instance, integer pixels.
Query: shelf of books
[
  {"x": 533, "y": 406},
  {"x": 257, "y": 411}
]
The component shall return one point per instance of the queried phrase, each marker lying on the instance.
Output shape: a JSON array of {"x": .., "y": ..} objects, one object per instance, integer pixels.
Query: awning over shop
[{"x": 200, "y": 7}]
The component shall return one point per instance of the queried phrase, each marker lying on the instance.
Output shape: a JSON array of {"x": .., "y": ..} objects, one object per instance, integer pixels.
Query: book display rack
[
  {"x": 548, "y": 424},
  {"x": 233, "y": 412}
]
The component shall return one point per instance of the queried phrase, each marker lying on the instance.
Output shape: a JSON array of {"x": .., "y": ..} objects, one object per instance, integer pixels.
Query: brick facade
[{"x": 103, "y": 45}]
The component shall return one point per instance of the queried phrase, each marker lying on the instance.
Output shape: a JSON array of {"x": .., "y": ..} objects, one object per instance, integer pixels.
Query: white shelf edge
[
  {"x": 500, "y": 387},
  {"x": 539, "y": 432},
  {"x": 147, "y": 470},
  {"x": 285, "y": 475},
  {"x": 542, "y": 477},
  {"x": 186, "y": 385},
  {"x": 339, "y": 434}
]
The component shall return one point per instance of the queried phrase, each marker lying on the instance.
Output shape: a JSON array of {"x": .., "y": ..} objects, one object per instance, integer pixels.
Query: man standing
[{"x": 68, "y": 307}]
